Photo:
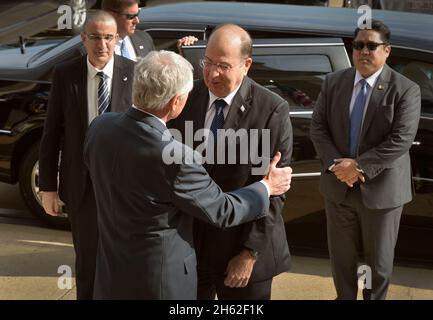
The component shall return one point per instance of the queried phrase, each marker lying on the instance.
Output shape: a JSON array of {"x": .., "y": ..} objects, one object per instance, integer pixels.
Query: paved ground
[{"x": 31, "y": 255}]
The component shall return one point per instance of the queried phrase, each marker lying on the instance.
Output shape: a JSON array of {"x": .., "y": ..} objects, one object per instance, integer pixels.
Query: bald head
[
  {"x": 99, "y": 16},
  {"x": 233, "y": 36},
  {"x": 227, "y": 59}
]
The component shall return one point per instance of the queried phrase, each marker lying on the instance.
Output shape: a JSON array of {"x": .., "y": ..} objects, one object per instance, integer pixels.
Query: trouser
[
  {"x": 85, "y": 239},
  {"x": 353, "y": 228},
  {"x": 211, "y": 284}
]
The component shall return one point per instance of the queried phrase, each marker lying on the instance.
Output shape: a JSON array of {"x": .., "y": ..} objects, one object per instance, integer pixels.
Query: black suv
[{"x": 294, "y": 48}]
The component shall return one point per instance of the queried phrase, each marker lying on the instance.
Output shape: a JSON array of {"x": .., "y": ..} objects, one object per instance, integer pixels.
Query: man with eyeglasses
[
  {"x": 82, "y": 89},
  {"x": 238, "y": 262},
  {"x": 363, "y": 126}
]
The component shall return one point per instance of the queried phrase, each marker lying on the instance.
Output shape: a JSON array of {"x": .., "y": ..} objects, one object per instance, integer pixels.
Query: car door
[
  {"x": 295, "y": 69},
  {"x": 416, "y": 227}
]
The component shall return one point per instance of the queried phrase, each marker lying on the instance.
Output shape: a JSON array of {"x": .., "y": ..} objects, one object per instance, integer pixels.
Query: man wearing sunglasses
[
  {"x": 363, "y": 126},
  {"x": 132, "y": 43}
]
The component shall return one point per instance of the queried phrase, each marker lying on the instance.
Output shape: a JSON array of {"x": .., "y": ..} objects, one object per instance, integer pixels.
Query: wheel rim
[
  {"x": 35, "y": 183},
  {"x": 34, "y": 180}
]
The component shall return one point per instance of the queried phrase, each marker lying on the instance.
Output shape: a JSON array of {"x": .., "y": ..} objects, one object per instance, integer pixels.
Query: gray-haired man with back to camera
[{"x": 145, "y": 246}]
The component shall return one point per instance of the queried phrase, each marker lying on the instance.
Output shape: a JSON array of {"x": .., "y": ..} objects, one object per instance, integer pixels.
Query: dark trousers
[
  {"x": 85, "y": 238},
  {"x": 211, "y": 284},
  {"x": 353, "y": 228}
]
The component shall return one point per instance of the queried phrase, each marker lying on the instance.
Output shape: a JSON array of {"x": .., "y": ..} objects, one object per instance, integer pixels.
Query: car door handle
[{"x": 416, "y": 143}]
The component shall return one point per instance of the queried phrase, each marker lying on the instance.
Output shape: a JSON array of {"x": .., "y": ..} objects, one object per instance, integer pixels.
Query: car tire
[{"x": 28, "y": 181}]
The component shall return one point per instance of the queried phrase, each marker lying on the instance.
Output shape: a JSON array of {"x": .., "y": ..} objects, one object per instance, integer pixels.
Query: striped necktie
[
  {"x": 103, "y": 94},
  {"x": 356, "y": 118}
]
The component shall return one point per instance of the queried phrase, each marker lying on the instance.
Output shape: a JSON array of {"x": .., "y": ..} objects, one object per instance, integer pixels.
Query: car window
[
  {"x": 296, "y": 78},
  {"x": 167, "y": 39},
  {"x": 418, "y": 70}
]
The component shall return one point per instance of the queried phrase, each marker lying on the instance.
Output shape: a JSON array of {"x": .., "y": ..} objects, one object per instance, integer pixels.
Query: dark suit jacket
[
  {"x": 145, "y": 247},
  {"x": 254, "y": 107},
  {"x": 388, "y": 130},
  {"x": 142, "y": 43},
  {"x": 66, "y": 125}
]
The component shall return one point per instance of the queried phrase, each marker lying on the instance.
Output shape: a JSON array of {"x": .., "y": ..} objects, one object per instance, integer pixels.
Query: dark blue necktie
[
  {"x": 356, "y": 118},
  {"x": 218, "y": 119},
  {"x": 103, "y": 94}
]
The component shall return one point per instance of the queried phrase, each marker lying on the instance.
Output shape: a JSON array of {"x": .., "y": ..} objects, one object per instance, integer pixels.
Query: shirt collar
[
  {"x": 371, "y": 80},
  {"x": 228, "y": 99},
  {"x": 108, "y": 69}
]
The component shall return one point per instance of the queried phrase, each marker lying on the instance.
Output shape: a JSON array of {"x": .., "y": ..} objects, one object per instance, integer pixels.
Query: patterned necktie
[
  {"x": 356, "y": 118},
  {"x": 124, "y": 50},
  {"x": 218, "y": 119},
  {"x": 103, "y": 94}
]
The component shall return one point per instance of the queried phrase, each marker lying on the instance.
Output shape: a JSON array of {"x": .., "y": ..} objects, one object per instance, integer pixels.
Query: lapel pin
[
  {"x": 380, "y": 87},
  {"x": 125, "y": 78},
  {"x": 141, "y": 47},
  {"x": 242, "y": 108}
]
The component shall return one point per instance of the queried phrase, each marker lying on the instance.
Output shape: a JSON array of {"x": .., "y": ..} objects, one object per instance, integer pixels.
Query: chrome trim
[
  {"x": 306, "y": 175},
  {"x": 420, "y": 179},
  {"x": 177, "y": 30},
  {"x": 410, "y": 48},
  {"x": 297, "y": 45},
  {"x": 296, "y": 113},
  {"x": 426, "y": 118},
  {"x": 416, "y": 143},
  {"x": 6, "y": 132}
]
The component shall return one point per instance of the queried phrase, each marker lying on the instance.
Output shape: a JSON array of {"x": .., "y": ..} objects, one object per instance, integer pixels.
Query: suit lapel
[
  {"x": 118, "y": 86},
  {"x": 381, "y": 86},
  {"x": 240, "y": 105},
  {"x": 80, "y": 91},
  {"x": 345, "y": 90}
]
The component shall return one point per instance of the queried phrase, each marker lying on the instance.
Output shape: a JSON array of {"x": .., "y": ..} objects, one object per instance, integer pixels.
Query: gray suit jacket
[
  {"x": 145, "y": 243},
  {"x": 388, "y": 130}
]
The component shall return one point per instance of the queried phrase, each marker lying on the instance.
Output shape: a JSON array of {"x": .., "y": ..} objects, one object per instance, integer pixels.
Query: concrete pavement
[{"x": 31, "y": 255}]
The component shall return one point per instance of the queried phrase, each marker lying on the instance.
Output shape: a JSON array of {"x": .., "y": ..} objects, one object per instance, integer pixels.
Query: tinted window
[
  {"x": 297, "y": 78},
  {"x": 419, "y": 71}
]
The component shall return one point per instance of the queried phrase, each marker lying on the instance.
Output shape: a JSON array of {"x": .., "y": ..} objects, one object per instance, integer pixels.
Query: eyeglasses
[
  {"x": 371, "y": 46},
  {"x": 220, "y": 67},
  {"x": 128, "y": 16},
  {"x": 106, "y": 37}
]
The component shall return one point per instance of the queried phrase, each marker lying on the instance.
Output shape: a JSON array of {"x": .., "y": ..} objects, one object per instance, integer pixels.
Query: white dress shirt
[
  {"x": 129, "y": 47},
  {"x": 210, "y": 113},
  {"x": 92, "y": 86},
  {"x": 371, "y": 81}
]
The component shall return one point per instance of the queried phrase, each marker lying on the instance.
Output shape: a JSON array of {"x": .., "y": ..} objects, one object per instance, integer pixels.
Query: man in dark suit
[
  {"x": 142, "y": 178},
  {"x": 239, "y": 262},
  {"x": 132, "y": 43},
  {"x": 81, "y": 89},
  {"x": 363, "y": 126}
]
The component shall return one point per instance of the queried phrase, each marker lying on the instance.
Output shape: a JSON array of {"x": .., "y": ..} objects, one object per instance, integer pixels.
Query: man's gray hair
[
  {"x": 98, "y": 16},
  {"x": 158, "y": 77}
]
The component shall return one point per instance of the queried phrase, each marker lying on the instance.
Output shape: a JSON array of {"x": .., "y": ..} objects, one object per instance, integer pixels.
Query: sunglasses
[
  {"x": 129, "y": 16},
  {"x": 371, "y": 46}
]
